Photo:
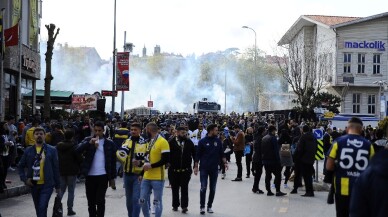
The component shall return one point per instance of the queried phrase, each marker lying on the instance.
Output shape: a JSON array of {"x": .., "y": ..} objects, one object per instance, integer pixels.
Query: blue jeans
[
  {"x": 145, "y": 192},
  {"x": 41, "y": 195},
  {"x": 132, "y": 193},
  {"x": 204, "y": 175},
  {"x": 69, "y": 183}
]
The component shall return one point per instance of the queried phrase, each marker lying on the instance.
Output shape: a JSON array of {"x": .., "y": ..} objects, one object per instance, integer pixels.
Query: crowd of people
[{"x": 58, "y": 154}]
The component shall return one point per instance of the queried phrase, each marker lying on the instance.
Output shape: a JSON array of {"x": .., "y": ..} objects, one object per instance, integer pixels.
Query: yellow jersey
[{"x": 155, "y": 150}]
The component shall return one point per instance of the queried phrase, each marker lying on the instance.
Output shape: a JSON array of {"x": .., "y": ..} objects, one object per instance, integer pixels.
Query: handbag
[
  {"x": 285, "y": 150},
  {"x": 57, "y": 209}
]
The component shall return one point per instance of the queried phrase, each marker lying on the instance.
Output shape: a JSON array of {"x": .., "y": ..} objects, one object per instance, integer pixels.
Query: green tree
[{"x": 326, "y": 100}]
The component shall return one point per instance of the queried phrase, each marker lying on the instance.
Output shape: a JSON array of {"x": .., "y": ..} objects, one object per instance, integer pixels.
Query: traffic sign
[
  {"x": 318, "y": 134},
  {"x": 150, "y": 104},
  {"x": 108, "y": 93},
  {"x": 319, "y": 155}
]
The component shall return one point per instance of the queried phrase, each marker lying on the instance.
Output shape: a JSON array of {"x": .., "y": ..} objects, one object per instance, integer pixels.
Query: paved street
[{"x": 232, "y": 199}]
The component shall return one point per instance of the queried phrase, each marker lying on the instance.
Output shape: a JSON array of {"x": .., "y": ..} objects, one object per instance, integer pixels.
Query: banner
[
  {"x": 11, "y": 36},
  {"x": 84, "y": 102},
  {"x": 122, "y": 71},
  {"x": 33, "y": 22},
  {"x": 16, "y": 10}
]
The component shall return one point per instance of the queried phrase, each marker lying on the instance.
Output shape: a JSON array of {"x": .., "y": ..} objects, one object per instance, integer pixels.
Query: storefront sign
[
  {"x": 29, "y": 64},
  {"x": 379, "y": 45},
  {"x": 84, "y": 102}
]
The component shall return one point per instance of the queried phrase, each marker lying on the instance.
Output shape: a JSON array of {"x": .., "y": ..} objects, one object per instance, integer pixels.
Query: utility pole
[
  {"x": 122, "y": 92},
  {"x": 114, "y": 61}
]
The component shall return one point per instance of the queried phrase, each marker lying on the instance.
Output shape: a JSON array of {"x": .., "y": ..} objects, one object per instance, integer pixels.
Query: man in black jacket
[
  {"x": 69, "y": 165},
  {"x": 99, "y": 167},
  {"x": 369, "y": 194},
  {"x": 304, "y": 157},
  {"x": 271, "y": 161},
  {"x": 257, "y": 165},
  {"x": 182, "y": 155}
]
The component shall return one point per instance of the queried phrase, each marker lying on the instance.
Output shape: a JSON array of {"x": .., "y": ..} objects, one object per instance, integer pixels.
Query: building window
[
  {"x": 361, "y": 63},
  {"x": 347, "y": 62},
  {"x": 371, "y": 104},
  {"x": 356, "y": 102},
  {"x": 376, "y": 63}
]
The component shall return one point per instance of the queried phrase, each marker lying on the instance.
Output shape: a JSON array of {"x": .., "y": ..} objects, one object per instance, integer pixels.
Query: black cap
[{"x": 355, "y": 120}]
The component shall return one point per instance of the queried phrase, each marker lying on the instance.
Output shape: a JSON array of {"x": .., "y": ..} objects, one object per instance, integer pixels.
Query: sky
[{"x": 187, "y": 26}]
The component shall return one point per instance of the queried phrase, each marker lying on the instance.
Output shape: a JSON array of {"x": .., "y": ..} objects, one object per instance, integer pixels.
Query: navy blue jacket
[
  {"x": 369, "y": 193},
  {"x": 209, "y": 153},
  {"x": 89, "y": 150},
  {"x": 51, "y": 165}
]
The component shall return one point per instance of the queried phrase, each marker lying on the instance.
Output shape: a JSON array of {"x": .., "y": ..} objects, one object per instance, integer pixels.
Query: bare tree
[
  {"x": 49, "y": 77},
  {"x": 305, "y": 66}
]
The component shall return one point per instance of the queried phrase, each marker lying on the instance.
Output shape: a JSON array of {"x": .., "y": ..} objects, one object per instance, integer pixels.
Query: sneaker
[
  {"x": 184, "y": 210},
  {"x": 294, "y": 191},
  {"x": 209, "y": 210},
  {"x": 11, "y": 169},
  {"x": 71, "y": 212},
  {"x": 269, "y": 193},
  {"x": 202, "y": 211},
  {"x": 175, "y": 209},
  {"x": 280, "y": 194},
  {"x": 237, "y": 180},
  {"x": 223, "y": 176},
  {"x": 285, "y": 186}
]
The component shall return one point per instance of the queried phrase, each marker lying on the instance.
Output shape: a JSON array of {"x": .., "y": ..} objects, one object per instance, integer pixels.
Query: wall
[{"x": 374, "y": 30}]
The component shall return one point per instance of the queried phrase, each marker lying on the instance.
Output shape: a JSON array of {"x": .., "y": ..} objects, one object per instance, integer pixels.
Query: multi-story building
[
  {"x": 21, "y": 60},
  {"x": 350, "y": 56}
]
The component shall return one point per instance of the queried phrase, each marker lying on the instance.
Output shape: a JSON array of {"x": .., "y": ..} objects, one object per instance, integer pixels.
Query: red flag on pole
[{"x": 11, "y": 36}]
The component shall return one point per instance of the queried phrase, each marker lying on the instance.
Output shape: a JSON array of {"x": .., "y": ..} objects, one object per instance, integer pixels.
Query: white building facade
[{"x": 355, "y": 58}]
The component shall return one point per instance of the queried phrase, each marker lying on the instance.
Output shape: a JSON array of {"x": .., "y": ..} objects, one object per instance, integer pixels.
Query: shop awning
[{"x": 57, "y": 97}]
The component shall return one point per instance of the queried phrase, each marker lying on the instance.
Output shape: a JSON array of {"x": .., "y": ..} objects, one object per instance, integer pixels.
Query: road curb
[
  {"x": 14, "y": 192},
  {"x": 321, "y": 186}
]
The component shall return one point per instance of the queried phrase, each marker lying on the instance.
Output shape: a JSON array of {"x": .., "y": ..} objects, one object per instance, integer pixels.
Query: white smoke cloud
[{"x": 175, "y": 89}]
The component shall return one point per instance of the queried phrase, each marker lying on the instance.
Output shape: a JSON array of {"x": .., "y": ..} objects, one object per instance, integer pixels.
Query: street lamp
[
  {"x": 381, "y": 84},
  {"x": 254, "y": 76},
  {"x": 114, "y": 60}
]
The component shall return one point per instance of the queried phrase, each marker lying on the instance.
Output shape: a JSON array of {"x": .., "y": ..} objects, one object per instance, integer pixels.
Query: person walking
[
  {"x": 99, "y": 168},
  {"x": 209, "y": 154},
  {"x": 369, "y": 194},
  {"x": 271, "y": 161},
  {"x": 5, "y": 149},
  {"x": 348, "y": 157},
  {"x": 238, "y": 148},
  {"x": 181, "y": 162},
  {"x": 286, "y": 161},
  {"x": 248, "y": 151},
  {"x": 157, "y": 156},
  {"x": 120, "y": 136},
  {"x": 131, "y": 155},
  {"x": 257, "y": 163},
  {"x": 41, "y": 161},
  {"x": 69, "y": 166},
  {"x": 305, "y": 158}
]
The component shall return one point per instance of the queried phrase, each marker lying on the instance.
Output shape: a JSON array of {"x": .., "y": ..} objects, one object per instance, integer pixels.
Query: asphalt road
[{"x": 233, "y": 199}]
